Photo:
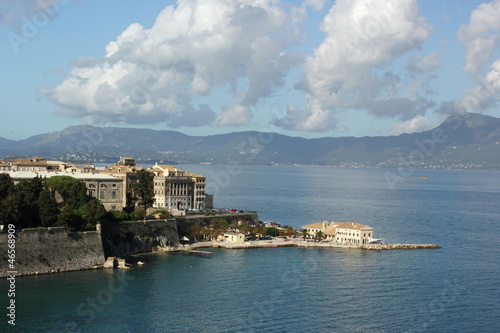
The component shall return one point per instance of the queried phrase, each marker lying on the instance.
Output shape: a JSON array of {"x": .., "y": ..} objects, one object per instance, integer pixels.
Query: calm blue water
[{"x": 453, "y": 289}]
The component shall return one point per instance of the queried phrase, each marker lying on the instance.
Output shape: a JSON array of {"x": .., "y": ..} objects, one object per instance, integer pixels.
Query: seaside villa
[{"x": 341, "y": 232}]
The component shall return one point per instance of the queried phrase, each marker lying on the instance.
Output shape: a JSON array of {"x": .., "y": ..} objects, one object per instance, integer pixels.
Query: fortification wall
[
  {"x": 127, "y": 238},
  {"x": 52, "y": 250}
]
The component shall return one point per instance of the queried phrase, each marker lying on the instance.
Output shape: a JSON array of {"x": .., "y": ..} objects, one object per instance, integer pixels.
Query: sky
[{"x": 310, "y": 68}]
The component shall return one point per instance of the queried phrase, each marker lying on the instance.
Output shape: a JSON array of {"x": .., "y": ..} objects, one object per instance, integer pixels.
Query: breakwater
[{"x": 293, "y": 243}]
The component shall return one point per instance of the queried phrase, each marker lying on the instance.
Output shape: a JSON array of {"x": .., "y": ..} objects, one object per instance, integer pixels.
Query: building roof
[
  {"x": 318, "y": 225},
  {"x": 350, "y": 225},
  {"x": 77, "y": 175}
]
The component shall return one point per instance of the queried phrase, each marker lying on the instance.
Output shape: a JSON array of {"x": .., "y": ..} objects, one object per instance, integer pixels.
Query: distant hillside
[{"x": 470, "y": 141}]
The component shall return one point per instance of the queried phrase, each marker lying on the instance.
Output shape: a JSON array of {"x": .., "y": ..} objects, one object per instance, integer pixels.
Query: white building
[{"x": 341, "y": 232}]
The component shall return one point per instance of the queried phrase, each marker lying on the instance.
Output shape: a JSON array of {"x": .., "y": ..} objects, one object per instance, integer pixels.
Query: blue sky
[{"x": 309, "y": 68}]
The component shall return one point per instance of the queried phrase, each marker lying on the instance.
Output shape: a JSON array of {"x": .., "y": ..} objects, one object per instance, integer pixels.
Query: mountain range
[{"x": 468, "y": 141}]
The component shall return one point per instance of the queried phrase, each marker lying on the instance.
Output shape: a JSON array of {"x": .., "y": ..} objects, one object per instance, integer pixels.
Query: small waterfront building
[{"x": 234, "y": 237}]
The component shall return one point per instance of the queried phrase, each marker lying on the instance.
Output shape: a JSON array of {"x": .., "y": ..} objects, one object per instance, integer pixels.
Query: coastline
[{"x": 301, "y": 243}]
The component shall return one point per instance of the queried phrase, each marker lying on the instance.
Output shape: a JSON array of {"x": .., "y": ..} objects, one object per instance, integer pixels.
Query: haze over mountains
[{"x": 470, "y": 141}]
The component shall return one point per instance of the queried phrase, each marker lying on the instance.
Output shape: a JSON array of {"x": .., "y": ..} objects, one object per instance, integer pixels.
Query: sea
[{"x": 452, "y": 289}]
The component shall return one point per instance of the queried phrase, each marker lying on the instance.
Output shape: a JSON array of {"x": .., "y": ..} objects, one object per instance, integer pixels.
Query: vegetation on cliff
[{"x": 57, "y": 201}]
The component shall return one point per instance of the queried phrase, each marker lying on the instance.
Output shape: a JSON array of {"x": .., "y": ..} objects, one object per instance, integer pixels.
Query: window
[
  {"x": 101, "y": 195},
  {"x": 103, "y": 186},
  {"x": 113, "y": 195}
]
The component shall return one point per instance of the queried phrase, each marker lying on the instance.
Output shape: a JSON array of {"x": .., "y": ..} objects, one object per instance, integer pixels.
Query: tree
[
  {"x": 47, "y": 208},
  {"x": 272, "y": 231},
  {"x": 144, "y": 188},
  {"x": 71, "y": 219},
  {"x": 289, "y": 231},
  {"x": 319, "y": 236},
  {"x": 218, "y": 226},
  {"x": 24, "y": 203},
  {"x": 6, "y": 186},
  {"x": 72, "y": 191},
  {"x": 195, "y": 230},
  {"x": 304, "y": 233},
  {"x": 92, "y": 213},
  {"x": 6, "y": 190}
]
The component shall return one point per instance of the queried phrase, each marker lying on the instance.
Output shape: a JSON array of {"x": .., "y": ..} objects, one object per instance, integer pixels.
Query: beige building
[
  {"x": 177, "y": 189},
  {"x": 341, "y": 232},
  {"x": 126, "y": 170},
  {"x": 106, "y": 188}
]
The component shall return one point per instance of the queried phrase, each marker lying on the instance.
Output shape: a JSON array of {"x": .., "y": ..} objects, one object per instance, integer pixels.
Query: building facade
[
  {"x": 177, "y": 189},
  {"x": 106, "y": 188},
  {"x": 341, "y": 232}
]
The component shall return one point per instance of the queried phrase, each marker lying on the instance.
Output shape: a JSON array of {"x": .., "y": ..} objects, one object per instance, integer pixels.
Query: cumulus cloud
[
  {"x": 486, "y": 93},
  {"x": 156, "y": 74},
  {"x": 418, "y": 64},
  {"x": 417, "y": 124},
  {"x": 346, "y": 70},
  {"x": 481, "y": 35},
  {"x": 18, "y": 12},
  {"x": 233, "y": 115}
]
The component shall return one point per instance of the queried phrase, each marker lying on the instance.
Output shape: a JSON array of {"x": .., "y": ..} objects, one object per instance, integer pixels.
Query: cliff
[
  {"x": 127, "y": 238},
  {"x": 52, "y": 250}
]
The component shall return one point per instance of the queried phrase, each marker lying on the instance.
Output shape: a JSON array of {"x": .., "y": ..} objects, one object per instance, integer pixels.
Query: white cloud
[
  {"x": 481, "y": 35},
  {"x": 363, "y": 36},
  {"x": 417, "y": 124},
  {"x": 152, "y": 75},
  {"x": 418, "y": 64},
  {"x": 480, "y": 38},
  {"x": 486, "y": 93},
  {"x": 233, "y": 115},
  {"x": 38, "y": 12}
]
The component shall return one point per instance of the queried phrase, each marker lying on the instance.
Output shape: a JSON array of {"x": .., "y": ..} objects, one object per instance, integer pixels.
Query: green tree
[
  {"x": 6, "y": 190},
  {"x": 195, "y": 231},
  {"x": 24, "y": 203},
  {"x": 218, "y": 226},
  {"x": 144, "y": 188},
  {"x": 47, "y": 208},
  {"x": 6, "y": 186},
  {"x": 304, "y": 233},
  {"x": 71, "y": 219},
  {"x": 72, "y": 191},
  {"x": 272, "y": 231},
  {"x": 92, "y": 213},
  {"x": 319, "y": 236},
  {"x": 289, "y": 231}
]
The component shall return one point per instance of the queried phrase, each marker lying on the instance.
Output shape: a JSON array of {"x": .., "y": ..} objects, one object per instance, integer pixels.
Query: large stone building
[
  {"x": 125, "y": 169},
  {"x": 106, "y": 188},
  {"x": 341, "y": 232},
  {"x": 177, "y": 189}
]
